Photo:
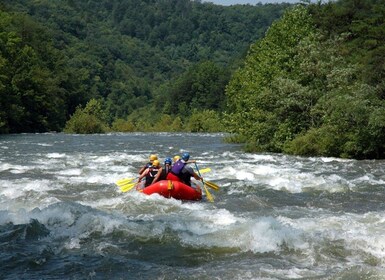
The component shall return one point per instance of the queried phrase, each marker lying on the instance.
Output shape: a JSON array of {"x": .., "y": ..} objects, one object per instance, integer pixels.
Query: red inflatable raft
[{"x": 174, "y": 189}]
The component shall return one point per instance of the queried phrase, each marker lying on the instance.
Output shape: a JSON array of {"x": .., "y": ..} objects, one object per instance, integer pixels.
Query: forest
[
  {"x": 304, "y": 79},
  {"x": 143, "y": 63},
  {"x": 314, "y": 85}
]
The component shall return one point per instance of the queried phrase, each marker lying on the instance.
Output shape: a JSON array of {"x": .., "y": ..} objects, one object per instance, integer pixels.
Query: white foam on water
[
  {"x": 368, "y": 179},
  {"x": 249, "y": 172},
  {"x": 56, "y": 155},
  {"x": 6, "y": 166},
  {"x": 267, "y": 234},
  {"x": 220, "y": 217},
  {"x": 70, "y": 172},
  {"x": 19, "y": 188},
  {"x": 46, "y": 201},
  {"x": 287, "y": 173},
  {"x": 120, "y": 169},
  {"x": 106, "y": 203},
  {"x": 292, "y": 177},
  {"x": 41, "y": 186},
  {"x": 112, "y": 178},
  {"x": 361, "y": 235},
  {"x": 106, "y": 246},
  {"x": 295, "y": 182},
  {"x": 365, "y": 234},
  {"x": 126, "y": 157},
  {"x": 160, "y": 213},
  {"x": 101, "y": 159},
  {"x": 15, "y": 168},
  {"x": 73, "y": 243},
  {"x": 96, "y": 179},
  {"x": 18, "y": 217},
  {"x": 291, "y": 273},
  {"x": 224, "y": 230},
  {"x": 65, "y": 223},
  {"x": 331, "y": 159},
  {"x": 208, "y": 222},
  {"x": 44, "y": 144}
]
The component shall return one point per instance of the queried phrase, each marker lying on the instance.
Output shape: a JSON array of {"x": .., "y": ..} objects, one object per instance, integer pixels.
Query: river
[{"x": 274, "y": 217}]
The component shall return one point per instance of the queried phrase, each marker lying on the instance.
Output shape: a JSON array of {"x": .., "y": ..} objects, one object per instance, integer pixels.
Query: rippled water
[{"x": 275, "y": 216}]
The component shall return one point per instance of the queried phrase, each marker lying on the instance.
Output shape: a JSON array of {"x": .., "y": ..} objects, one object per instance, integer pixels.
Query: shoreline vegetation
[
  {"x": 304, "y": 79},
  {"x": 92, "y": 119}
]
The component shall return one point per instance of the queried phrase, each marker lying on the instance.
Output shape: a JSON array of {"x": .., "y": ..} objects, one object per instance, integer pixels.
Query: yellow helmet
[
  {"x": 176, "y": 158},
  {"x": 155, "y": 163},
  {"x": 153, "y": 157}
]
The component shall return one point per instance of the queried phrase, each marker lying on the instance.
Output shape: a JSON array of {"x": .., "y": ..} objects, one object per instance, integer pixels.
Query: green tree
[
  {"x": 257, "y": 91},
  {"x": 121, "y": 125},
  {"x": 204, "y": 121},
  {"x": 202, "y": 87},
  {"x": 31, "y": 98},
  {"x": 300, "y": 93},
  {"x": 88, "y": 120}
]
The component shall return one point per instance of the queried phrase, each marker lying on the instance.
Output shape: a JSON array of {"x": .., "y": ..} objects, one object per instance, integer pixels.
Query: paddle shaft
[{"x": 208, "y": 194}]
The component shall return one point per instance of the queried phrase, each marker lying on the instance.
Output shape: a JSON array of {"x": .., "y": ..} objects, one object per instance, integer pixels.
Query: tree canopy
[
  {"x": 302, "y": 90},
  {"x": 57, "y": 55}
]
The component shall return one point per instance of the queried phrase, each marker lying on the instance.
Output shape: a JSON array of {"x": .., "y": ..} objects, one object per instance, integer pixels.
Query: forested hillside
[
  {"x": 143, "y": 64},
  {"x": 314, "y": 85}
]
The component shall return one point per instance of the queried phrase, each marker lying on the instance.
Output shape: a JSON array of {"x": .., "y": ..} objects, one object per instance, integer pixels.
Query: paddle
[
  {"x": 127, "y": 187},
  {"x": 126, "y": 184},
  {"x": 212, "y": 185},
  {"x": 209, "y": 184},
  {"x": 124, "y": 181},
  {"x": 205, "y": 170},
  {"x": 208, "y": 194}
]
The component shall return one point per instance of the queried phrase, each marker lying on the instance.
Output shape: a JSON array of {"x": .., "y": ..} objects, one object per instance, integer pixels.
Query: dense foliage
[
  {"x": 91, "y": 119},
  {"x": 31, "y": 96},
  {"x": 135, "y": 57},
  {"x": 313, "y": 84},
  {"x": 306, "y": 88}
]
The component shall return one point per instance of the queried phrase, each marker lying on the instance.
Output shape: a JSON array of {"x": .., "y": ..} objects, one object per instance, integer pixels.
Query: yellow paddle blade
[
  {"x": 124, "y": 181},
  {"x": 212, "y": 185},
  {"x": 205, "y": 170},
  {"x": 127, "y": 187},
  {"x": 208, "y": 194}
]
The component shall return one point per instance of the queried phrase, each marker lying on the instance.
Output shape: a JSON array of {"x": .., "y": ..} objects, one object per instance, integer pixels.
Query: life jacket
[
  {"x": 166, "y": 169},
  {"x": 185, "y": 177},
  {"x": 151, "y": 175},
  {"x": 177, "y": 167}
]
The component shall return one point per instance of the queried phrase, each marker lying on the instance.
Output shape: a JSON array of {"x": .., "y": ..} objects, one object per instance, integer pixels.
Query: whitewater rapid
[{"x": 275, "y": 216}]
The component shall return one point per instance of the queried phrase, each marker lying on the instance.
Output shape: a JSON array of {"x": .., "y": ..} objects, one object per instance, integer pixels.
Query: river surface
[{"x": 274, "y": 217}]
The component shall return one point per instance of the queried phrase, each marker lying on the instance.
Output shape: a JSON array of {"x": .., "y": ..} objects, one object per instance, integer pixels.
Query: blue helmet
[
  {"x": 168, "y": 161},
  {"x": 185, "y": 156}
]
